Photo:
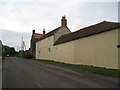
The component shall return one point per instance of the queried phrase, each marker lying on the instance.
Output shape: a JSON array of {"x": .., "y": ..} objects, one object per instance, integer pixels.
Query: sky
[{"x": 19, "y": 17}]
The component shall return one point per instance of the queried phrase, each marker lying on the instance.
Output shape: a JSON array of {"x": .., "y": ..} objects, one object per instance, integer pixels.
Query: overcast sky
[{"x": 19, "y": 17}]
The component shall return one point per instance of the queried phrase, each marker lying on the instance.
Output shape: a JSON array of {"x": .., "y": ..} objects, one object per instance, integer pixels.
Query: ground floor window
[
  {"x": 49, "y": 50},
  {"x": 38, "y": 52}
]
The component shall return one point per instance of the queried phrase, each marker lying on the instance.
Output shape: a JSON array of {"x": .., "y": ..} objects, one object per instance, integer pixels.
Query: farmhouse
[
  {"x": 34, "y": 38},
  {"x": 96, "y": 45},
  {"x": 44, "y": 47}
]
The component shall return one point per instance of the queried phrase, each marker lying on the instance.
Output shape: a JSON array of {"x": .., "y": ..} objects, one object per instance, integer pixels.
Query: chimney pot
[
  {"x": 44, "y": 31},
  {"x": 63, "y": 22},
  {"x": 33, "y": 31}
]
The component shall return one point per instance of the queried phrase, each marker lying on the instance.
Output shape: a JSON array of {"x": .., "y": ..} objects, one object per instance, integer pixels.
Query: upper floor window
[
  {"x": 38, "y": 52},
  {"x": 49, "y": 50}
]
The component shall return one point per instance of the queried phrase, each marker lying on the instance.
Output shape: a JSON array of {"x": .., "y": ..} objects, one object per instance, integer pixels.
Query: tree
[
  {"x": 12, "y": 51},
  {"x": 8, "y": 51}
]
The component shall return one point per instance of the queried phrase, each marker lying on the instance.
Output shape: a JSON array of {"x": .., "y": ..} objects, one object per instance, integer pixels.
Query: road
[{"x": 24, "y": 73}]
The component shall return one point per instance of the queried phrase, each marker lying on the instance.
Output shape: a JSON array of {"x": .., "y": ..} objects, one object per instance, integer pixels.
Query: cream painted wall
[
  {"x": 64, "y": 52},
  {"x": 119, "y": 49},
  {"x": 98, "y": 50},
  {"x": 42, "y": 46},
  {"x": 45, "y": 42},
  {"x": 62, "y": 31}
]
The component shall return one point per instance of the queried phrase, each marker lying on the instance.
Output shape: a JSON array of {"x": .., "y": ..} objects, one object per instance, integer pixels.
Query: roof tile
[{"x": 37, "y": 35}]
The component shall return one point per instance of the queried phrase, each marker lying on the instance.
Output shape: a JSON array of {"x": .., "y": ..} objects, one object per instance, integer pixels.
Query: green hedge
[{"x": 27, "y": 55}]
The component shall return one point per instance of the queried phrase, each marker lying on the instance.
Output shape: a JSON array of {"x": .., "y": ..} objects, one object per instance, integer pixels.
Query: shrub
[{"x": 27, "y": 55}]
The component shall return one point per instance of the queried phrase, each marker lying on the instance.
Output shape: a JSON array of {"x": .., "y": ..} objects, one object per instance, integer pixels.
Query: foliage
[
  {"x": 8, "y": 51},
  {"x": 27, "y": 55},
  {"x": 98, "y": 70}
]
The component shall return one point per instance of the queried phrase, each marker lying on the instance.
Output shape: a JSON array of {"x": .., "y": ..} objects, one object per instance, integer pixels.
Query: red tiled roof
[
  {"x": 88, "y": 31},
  {"x": 37, "y": 35}
]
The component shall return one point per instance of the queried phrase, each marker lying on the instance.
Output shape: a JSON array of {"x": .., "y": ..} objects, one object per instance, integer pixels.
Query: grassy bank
[{"x": 101, "y": 71}]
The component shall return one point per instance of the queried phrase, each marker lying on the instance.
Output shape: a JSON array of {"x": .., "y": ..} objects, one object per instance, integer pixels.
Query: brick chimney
[
  {"x": 44, "y": 31},
  {"x": 63, "y": 22},
  {"x": 33, "y": 31}
]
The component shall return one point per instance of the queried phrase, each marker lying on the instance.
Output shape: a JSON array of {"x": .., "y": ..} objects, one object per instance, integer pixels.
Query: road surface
[{"x": 24, "y": 73}]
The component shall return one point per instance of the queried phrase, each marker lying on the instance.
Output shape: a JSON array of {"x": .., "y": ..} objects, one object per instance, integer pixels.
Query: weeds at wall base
[{"x": 97, "y": 70}]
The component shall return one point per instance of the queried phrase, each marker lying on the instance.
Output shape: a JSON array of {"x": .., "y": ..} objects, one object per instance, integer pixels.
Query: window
[
  {"x": 49, "y": 50},
  {"x": 38, "y": 52},
  {"x": 118, "y": 46}
]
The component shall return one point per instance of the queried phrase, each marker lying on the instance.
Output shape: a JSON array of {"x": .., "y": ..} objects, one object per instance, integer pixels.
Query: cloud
[
  {"x": 26, "y": 16},
  {"x": 22, "y": 16},
  {"x": 13, "y": 39},
  {"x": 59, "y": 0}
]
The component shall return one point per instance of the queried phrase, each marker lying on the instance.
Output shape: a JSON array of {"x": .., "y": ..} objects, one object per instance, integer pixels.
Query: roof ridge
[
  {"x": 37, "y": 33},
  {"x": 88, "y": 31},
  {"x": 111, "y": 22},
  {"x": 97, "y": 24},
  {"x": 50, "y": 33},
  {"x": 54, "y": 29},
  {"x": 83, "y": 28}
]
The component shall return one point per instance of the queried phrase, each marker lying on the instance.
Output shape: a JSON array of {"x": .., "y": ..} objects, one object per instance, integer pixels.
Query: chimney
[
  {"x": 63, "y": 22},
  {"x": 33, "y": 31},
  {"x": 44, "y": 31}
]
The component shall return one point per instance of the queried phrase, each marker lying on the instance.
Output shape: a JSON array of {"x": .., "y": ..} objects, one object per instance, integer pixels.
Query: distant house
[
  {"x": 34, "y": 38},
  {"x": 96, "y": 45}
]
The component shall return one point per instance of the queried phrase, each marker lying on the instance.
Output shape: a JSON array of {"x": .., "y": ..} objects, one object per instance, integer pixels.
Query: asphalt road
[{"x": 24, "y": 73}]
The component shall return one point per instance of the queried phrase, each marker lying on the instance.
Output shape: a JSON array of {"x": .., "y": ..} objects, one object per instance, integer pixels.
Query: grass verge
[{"x": 101, "y": 71}]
